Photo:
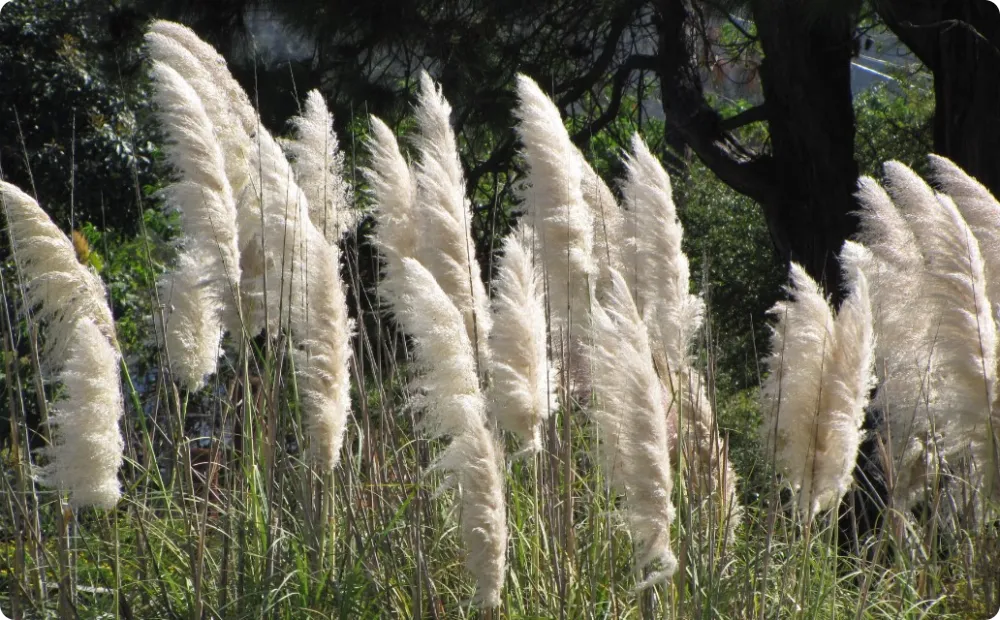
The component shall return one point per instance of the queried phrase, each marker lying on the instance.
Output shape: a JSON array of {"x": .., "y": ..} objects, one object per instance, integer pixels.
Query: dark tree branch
[
  {"x": 573, "y": 89},
  {"x": 697, "y": 123},
  {"x": 755, "y": 114},
  {"x": 636, "y": 62}
]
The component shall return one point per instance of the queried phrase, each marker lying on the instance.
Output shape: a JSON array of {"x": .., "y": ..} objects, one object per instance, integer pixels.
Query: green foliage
[
  {"x": 895, "y": 121},
  {"x": 71, "y": 130}
]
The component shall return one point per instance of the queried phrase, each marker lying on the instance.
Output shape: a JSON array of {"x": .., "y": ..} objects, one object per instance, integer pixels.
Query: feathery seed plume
[
  {"x": 982, "y": 213},
  {"x": 814, "y": 397},
  {"x": 609, "y": 223},
  {"x": 906, "y": 393},
  {"x": 445, "y": 216},
  {"x": 80, "y": 346},
  {"x": 964, "y": 332},
  {"x": 210, "y": 269},
  {"x": 524, "y": 380},
  {"x": 630, "y": 414},
  {"x": 234, "y": 142},
  {"x": 448, "y": 393},
  {"x": 672, "y": 314},
  {"x": 319, "y": 169},
  {"x": 394, "y": 190},
  {"x": 558, "y": 213},
  {"x": 279, "y": 243},
  {"x": 209, "y": 58}
]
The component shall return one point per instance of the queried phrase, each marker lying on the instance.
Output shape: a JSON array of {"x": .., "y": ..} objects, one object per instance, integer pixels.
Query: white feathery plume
[
  {"x": 445, "y": 216},
  {"x": 323, "y": 352},
  {"x": 609, "y": 223},
  {"x": 453, "y": 405},
  {"x": 631, "y": 416},
  {"x": 319, "y": 169},
  {"x": 709, "y": 469},
  {"x": 394, "y": 191},
  {"x": 278, "y": 241},
  {"x": 217, "y": 68},
  {"x": 304, "y": 291},
  {"x": 814, "y": 397},
  {"x": 981, "y": 212},
  {"x": 208, "y": 220},
  {"x": 233, "y": 140},
  {"x": 672, "y": 314},
  {"x": 58, "y": 288},
  {"x": 303, "y": 284},
  {"x": 558, "y": 212},
  {"x": 895, "y": 274},
  {"x": 249, "y": 151},
  {"x": 963, "y": 332},
  {"x": 850, "y": 375},
  {"x": 906, "y": 394},
  {"x": 524, "y": 380},
  {"x": 70, "y": 301},
  {"x": 88, "y": 447},
  {"x": 323, "y": 340},
  {"x": 193, "y": 332}
]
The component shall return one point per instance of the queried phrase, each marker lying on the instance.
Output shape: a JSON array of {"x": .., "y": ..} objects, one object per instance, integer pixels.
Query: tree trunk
[
  {"x": 959, "y": 41},
  {"x": 806, "y": 77},
  {"x": 806, "y": 182}
]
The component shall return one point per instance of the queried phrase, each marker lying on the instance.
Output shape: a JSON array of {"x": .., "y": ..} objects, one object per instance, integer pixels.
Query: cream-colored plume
[
  {"x": 445, "y": 217},
  {"x": 217, "y": 68},
  {"x": 394, "y": 190},
  {"x": 303, "y": 291},
  {"x": 558, "y": 212},
  {"x": 630, "y": 413},
  {"x": 69, "y": 300},
  {"x": 963, "y": 333},
  {"x": 447, "y": 391},
  {"x": 523, "y": 391},
  {"x": 210, "y": 270},
  {"x": 323, "y": 352},
  {"x": 820, "y": 375},
  {"x": 609, "y": 224},
  {"x": 904, "y": 347},
  {"x": 982, "y": 213},
  {"x": 319, "y": 169},
  {"x": 673, "y": 317},
  {"x": 672, "y": 314},
  {"x": 163, "y": 46},
  {"x": 290, "y": 274}
]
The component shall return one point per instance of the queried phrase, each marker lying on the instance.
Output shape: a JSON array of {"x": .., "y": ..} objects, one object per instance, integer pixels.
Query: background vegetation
[{"x": 220, "y": 517}]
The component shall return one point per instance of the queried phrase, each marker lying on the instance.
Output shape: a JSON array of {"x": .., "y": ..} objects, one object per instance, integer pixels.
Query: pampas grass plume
[
  {"x": 631, "y": 416},
  {"x": 319, "y": 169},
  {"x": 445, "y": 216},
  {"x": 209, "y": 271},
  {"x": 672, "y": 314},
  {"x": 70, "y": 301},
  {"x": 820, "y": 375},
  {"x": 524, "y": 380},
  {"x": 965, "y": 334},
  {"x": 557, "y": 210},
  {"x": 454, "y": 406},
  {"x": 394, "y": 192}
]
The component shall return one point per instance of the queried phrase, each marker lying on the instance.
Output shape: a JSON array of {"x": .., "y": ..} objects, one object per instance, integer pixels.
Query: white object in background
[
  {"x": 997, "y": 616},
  {"x": 3, "y": 617},
  {"x": 995, "y": 3},
  {"x": 3, "y": 3}
]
